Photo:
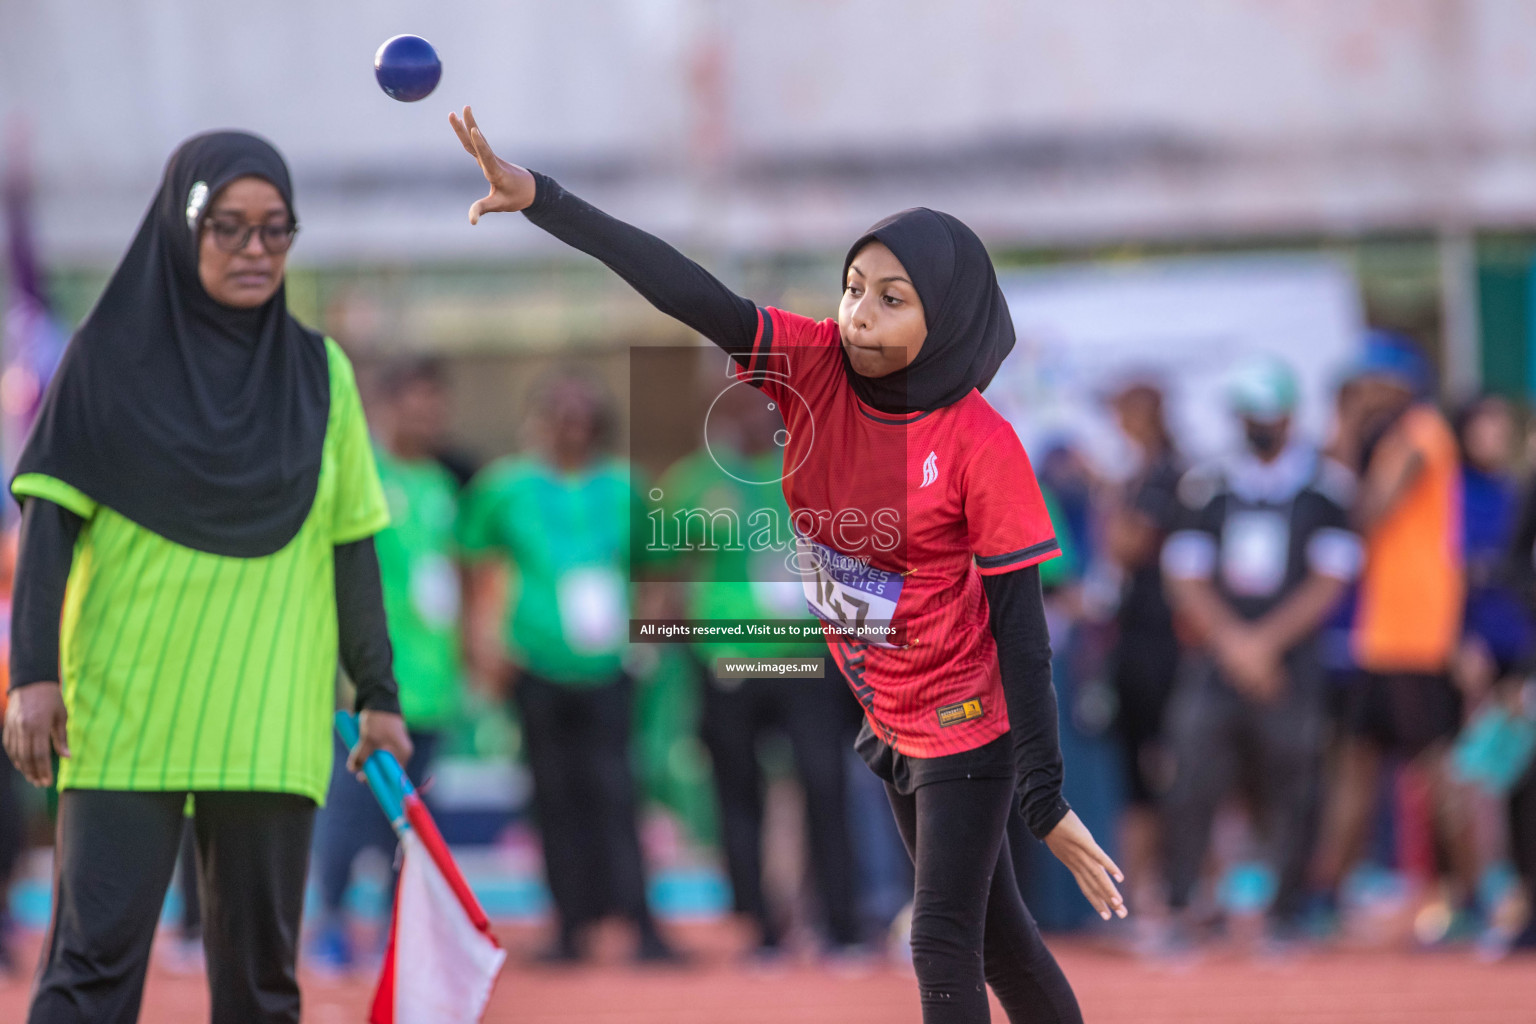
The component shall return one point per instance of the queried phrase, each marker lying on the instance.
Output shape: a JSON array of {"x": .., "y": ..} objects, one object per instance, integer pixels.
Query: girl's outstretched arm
[{"x": 667, "y": 279}]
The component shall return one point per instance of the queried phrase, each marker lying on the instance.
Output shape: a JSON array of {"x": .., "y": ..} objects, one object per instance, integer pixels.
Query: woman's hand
[
  {"x": 1073, "y": 845},
  {"x": 379, "y": 730},
  {"x": 35, "y": 722},
  {"x": 512, "y": 187}
]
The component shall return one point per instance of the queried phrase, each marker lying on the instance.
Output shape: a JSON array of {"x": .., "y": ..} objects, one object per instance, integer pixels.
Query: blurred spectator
[
  {"x": 417, "y": 566},
  {"x": 1065, "y": 473},
  {"x": 1147, "y": 652},
  {"x": 562, "y": 516},
  {"x": 1518, "y": 695},
  {"x": 1496, "y": 636},
  {"x": 1092, "y": 785},
  {"x": 12, "y": 808},
  {"x": 1262, "y": 555},
  {"x": 1409, "y": 613},
  {"x": 737, "y": 474},
  {"x": 1342, "y": 457}
]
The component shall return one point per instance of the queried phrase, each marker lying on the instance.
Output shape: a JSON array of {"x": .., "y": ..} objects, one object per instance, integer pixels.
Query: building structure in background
[{"x": 1397, "y": 135}]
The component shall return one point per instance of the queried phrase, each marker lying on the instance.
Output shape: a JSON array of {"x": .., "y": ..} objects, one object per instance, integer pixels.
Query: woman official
[{"x": 201, "y": 479}]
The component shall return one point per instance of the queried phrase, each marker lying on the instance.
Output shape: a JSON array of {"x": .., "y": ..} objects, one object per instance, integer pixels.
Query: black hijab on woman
[
  {"x": 199, "y": 422},
  {"x": 969, "y": 328}
]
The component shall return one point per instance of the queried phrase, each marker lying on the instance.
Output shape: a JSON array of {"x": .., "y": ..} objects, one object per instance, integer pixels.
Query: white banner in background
[{"x": 1187, "y": 322}]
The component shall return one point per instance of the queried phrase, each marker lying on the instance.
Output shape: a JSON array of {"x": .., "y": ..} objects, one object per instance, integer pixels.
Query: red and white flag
[{"x": 442, "y": 960}]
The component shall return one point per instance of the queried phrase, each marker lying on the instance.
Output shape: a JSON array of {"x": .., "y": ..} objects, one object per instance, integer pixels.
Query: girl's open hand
[
  {"x": 1096, "y": 874},
  {"x": 512, "y": 187}
]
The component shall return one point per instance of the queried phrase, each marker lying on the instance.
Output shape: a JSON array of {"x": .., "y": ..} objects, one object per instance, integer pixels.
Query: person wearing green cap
[{"x": 1263, "y": 553}]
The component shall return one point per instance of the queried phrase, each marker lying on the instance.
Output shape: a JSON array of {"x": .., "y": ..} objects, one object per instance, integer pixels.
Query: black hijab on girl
[
  {"x": 969, "y": 328},
  {"x": 199, "y": 422}
]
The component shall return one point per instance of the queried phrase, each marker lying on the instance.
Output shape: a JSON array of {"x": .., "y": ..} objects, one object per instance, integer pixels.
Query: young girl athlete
[{"x": 887, "y": 426}]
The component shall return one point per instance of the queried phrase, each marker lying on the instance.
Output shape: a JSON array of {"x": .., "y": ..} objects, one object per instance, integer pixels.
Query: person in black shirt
[
  {"x": 1263, "y": 553},
  {"x": 1146, "y": 652}
]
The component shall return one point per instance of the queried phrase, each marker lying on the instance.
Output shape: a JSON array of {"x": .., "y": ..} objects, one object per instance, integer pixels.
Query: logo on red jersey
[
  {"x": 953, "y": 714},
  {"x": 930, "y": 469}
]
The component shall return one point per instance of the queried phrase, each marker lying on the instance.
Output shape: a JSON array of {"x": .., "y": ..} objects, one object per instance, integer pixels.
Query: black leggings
[{"x": 970, "y": 927}]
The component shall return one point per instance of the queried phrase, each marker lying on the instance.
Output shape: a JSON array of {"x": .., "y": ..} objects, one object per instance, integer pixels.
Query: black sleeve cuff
[
  {"x": 1043, "y": 819},
  {"x": 379, "y": 700},
  {"x": 546, "y": 191}
]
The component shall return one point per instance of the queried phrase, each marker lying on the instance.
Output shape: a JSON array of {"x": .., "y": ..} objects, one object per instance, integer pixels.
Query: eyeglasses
[{"x": 233, "y": 235}]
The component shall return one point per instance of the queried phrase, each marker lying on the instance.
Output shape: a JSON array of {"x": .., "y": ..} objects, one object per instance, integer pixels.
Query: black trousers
[
  {"x": 577, "y": 739},
  {"x": 1145, "y": 667},
  {"x": 113, "y": 862},
  {"x": 814, "y": 714},
  {"x": 1222, "y": 739},
  {"x": 970, "y": 928}
]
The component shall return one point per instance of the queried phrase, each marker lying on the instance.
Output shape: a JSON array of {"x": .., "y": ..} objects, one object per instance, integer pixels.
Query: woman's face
[
  {"x": 880, "y": 317},
  {"x": 251, "y": 275}
]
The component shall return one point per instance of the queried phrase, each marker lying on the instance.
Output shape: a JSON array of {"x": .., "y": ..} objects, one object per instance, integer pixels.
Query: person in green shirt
[
  {"x": 734, "y": 477},
  {"x": 199, "y": 500},
  {"x": 562, "y": 517},
  {"x": 418, "y": 564}
]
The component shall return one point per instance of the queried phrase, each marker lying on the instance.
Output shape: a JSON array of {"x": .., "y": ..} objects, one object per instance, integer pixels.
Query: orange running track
[{"x": 1332, "y": 988}]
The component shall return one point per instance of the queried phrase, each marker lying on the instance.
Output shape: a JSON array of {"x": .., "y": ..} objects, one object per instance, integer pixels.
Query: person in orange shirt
[{"x": 1412, "y": 590}]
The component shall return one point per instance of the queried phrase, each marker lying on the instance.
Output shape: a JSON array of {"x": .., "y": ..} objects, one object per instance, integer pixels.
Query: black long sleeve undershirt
[
  {"x": 362, "y": 631},
  {"x": 43, "y": 556},
  {"x": 1017, "y": 615},
  {"x": 664, "y": 277},
  {"x": 46, "y": 550}
]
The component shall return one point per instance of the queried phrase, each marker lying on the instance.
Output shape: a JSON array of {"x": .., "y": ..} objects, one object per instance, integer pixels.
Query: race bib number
[
  {"x": 1254, "y": 550},
  {"x": 593, "y": 608},
  {"x": 847, "y": 592}
]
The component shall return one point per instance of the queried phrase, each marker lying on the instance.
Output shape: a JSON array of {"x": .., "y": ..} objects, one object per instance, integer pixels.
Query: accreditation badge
[
  {"x": 594, "y": 606},
  {"x": 1255, "y": 546},
  {"x": 435, "y": 590}
]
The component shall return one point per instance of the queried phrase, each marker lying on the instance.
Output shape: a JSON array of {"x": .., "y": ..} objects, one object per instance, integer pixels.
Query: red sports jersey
[{"x": 902, "y": 515}]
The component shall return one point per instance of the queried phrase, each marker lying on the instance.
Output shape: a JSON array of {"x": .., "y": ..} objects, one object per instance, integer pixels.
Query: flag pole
[{"x": 386, "y": 778}]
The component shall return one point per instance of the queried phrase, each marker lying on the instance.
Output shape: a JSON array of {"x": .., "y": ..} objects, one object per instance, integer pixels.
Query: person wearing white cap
[{"x": 1262, "y": 555}]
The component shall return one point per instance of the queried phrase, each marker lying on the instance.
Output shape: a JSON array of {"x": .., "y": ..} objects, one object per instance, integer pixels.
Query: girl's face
[
  {"x": 251, "y": 274},
  {"x": 880, "y": 317}
]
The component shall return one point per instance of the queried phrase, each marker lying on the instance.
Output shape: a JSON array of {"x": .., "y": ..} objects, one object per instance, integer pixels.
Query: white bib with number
[{"x": 844, "y": 591}]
